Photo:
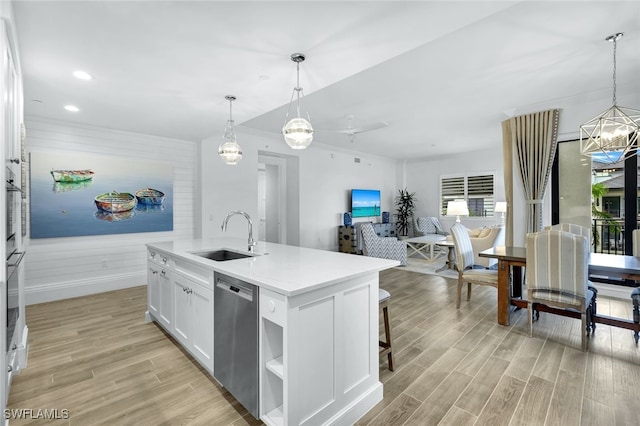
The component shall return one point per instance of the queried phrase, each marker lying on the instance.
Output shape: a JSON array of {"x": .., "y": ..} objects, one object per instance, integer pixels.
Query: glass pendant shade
[
  {"x": 613, "y": 135},
  {"x": 229, "y": 150},
  {"x": 298, "y": 133}
]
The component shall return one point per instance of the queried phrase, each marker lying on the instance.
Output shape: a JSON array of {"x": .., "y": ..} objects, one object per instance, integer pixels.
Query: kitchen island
[{"x": 317, "y": 322}]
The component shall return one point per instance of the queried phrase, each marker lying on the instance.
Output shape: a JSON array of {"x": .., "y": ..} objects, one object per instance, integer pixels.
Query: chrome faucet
[{"x": 252, "y": 243}]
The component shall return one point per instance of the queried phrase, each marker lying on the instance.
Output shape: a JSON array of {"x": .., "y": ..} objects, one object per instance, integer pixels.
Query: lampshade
[
  {"x": 298, "y": 132},
  {"x": 457, "y": 208},
  {"x": 611, "y": 136},
  {"x": 501, "y": 207},
  {"x": 229, "y": 150}
]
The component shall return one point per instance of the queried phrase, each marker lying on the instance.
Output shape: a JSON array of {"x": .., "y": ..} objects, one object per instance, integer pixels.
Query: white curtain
[{"x": 533, "y": 138}]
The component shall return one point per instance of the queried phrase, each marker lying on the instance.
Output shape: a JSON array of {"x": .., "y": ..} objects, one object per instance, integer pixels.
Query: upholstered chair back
[
  {"x": 573, "y": 228},
  {"x": 463, "y": 247},
  {"x": 636, "y": 242},
  {"x": 557, "y": 267}
]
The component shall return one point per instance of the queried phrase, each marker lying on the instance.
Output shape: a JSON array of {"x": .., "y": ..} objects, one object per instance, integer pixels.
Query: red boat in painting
[
  {"x": 115, "y": 202},
  {"x": 72, "y": 176}
]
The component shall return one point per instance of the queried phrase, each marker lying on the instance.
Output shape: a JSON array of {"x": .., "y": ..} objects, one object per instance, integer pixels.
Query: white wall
[
  {"x": 423, "y": 178},
  {"x": 327, "y": 175},
  {"x": 58, "y": 268}
]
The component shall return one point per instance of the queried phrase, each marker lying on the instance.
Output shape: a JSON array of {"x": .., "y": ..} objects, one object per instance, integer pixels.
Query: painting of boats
[
  {"x": 115, "y": 202},
  {"x": 114, "y": 217},
  {"x": 150, "y": 197},
  {"x": 72, "y": 176}
]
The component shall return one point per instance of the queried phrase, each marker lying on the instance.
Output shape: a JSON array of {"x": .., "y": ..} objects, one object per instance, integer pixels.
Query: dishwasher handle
[{"x": 234, "y": 289}]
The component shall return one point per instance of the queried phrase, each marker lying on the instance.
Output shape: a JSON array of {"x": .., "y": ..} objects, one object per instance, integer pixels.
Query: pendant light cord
[
  {"x": 615, "y": 45},
  {"x": 298, "y": 88}
]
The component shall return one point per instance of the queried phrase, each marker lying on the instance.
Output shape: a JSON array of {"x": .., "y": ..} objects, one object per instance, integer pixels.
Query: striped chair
[
  {"x": 465, "y": 261},
  {"x": 636, "y": 242},
  {"x": 384, "y": 247},
  {"x": 572, "y": 228},
  {"x": 558, "y": 276}
]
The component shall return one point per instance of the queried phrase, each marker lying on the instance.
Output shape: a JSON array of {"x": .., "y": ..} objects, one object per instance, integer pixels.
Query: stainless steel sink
[{"x": 222, "y": 255}]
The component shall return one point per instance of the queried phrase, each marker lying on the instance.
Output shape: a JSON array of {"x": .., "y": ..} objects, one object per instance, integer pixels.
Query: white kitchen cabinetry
[
  {"x": 180, "y": 298},
  {"x": 194, "y": 318},
  {"x": 319, "y": 355},
  {"x": 159, "y": 288},
  {"x": 317, "y": 324}
]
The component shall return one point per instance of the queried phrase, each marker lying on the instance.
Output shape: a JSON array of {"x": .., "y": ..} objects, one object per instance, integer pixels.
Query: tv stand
[{"x": 348, "y": 237}]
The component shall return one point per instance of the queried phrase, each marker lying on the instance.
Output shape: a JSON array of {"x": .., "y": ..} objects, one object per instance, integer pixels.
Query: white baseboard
[
  {"x": 68, "y": 289},
  {"x": 358, "y": 408}
]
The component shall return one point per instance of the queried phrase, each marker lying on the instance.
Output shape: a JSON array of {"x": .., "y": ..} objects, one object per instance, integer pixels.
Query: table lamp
[
  {"x": 501, "y": 207},
  {"x": 457, "y": 208}
]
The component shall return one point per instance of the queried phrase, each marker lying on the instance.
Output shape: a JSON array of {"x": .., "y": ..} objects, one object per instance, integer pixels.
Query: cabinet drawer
[
  {"x": 202, "y": 276},
  {"x": 273, "y": 306},
  {"x": 158, "y": 257}
]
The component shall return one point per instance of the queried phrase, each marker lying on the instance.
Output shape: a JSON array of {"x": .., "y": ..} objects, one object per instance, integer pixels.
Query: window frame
[{"x": 490, "y": 213}]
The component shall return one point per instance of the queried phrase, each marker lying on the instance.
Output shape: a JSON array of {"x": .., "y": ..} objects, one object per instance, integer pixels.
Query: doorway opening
[{"x": 278, "y": 198}]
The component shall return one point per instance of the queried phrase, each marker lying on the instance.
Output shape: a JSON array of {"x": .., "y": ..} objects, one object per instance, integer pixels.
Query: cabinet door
[
  {"x": 166, "y": 298},
  {"x": 202, "y": 331},
  {"x": 182, "y": 304},
  {"x": 153, "y": 289}
]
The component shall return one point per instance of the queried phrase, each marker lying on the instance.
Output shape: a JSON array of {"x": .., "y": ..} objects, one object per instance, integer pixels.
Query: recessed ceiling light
[
  {"x": 71, "y": 108},
  {"x": 82, "y": 75}
]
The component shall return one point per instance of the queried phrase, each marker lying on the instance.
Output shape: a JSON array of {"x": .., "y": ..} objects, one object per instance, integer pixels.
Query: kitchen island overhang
[{"x": 318, "y": 322}]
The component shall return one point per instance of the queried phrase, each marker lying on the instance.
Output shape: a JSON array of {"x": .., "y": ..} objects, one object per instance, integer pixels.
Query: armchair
[
  {"x": 424, "y": 225},
  {"x": 482, "y": 239},
  {"x": 384, "y": 247}
]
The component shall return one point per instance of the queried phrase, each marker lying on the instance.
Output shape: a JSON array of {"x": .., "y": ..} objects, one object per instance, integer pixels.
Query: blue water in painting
[{"x": 64, "y": 210}]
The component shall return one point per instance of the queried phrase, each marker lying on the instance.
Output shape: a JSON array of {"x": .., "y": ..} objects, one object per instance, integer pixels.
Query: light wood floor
[{"x": 97, "y": 358}]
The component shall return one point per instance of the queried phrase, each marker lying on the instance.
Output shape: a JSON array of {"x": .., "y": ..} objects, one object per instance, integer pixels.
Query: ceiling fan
[{"x": 353, "y": 131}]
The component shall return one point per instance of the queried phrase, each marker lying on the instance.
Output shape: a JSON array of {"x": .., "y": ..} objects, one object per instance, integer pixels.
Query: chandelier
[
  {"x": 297, "y": 132},
  {"x": 611, "y": 136},
  {"x": 229, "y": 150}
]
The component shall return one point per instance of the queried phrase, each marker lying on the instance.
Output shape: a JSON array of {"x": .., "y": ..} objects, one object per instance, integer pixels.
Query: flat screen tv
[{"x": 365, "y": 202}]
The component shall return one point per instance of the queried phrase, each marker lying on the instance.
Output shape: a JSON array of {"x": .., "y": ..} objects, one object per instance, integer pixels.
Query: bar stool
[{"x": 385, "y": 347}]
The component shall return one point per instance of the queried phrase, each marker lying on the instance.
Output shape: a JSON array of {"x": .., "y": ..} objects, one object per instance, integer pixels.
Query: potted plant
[{"x": 405, "y": 203}]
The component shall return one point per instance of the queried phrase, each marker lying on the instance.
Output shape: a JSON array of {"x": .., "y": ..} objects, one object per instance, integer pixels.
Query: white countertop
[{"x": 288, "y": 270}]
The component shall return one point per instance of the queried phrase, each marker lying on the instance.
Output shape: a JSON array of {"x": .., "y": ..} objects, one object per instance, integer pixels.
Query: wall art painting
[{"x": 73, "y": 194}]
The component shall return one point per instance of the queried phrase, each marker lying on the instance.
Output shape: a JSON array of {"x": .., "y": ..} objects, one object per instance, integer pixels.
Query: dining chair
[
  {"x": 636, "y": 242},
  {"x": 573, "y": 228},
  {"x": 465, "y": 261},
  {"x": 557, "y": 276}
]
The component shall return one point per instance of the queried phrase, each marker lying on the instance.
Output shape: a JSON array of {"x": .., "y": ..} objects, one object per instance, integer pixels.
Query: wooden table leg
[{"x": 504, "y": 298}]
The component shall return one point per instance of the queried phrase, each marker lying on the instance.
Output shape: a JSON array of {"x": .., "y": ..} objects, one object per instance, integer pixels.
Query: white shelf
[
  {"x": 276, "y": 367},
  {"x": 275, "y": 416}
]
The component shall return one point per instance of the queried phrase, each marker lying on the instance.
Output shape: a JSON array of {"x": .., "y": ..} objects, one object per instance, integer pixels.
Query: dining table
[{"x": 622, "y": 268}]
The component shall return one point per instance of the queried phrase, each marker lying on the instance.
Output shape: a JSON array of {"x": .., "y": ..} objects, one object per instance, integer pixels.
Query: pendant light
[
  {"x": 613, "y": 135},
  {"x": 229, "y": 150},
  {"x": 297, "y": 132}
]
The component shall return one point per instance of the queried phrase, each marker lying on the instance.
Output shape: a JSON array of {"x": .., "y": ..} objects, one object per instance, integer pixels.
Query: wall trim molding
[{"x": 68, "y": 289}]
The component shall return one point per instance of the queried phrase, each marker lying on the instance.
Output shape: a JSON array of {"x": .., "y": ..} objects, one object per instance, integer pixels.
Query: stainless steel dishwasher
[{"x": 235, "y": 353}]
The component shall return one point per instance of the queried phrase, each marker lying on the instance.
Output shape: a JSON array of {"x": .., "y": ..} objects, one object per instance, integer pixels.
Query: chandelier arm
[{"x": 286, "y": 117}]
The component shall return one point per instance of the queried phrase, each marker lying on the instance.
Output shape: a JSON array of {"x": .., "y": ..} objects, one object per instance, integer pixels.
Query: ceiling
[{"x": 440, "y": 75}]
